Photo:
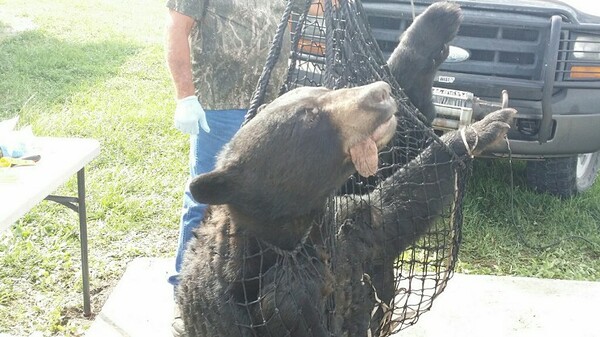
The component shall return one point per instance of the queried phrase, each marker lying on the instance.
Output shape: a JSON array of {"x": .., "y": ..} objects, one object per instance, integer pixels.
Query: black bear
[{"x": 259, "y": 264}]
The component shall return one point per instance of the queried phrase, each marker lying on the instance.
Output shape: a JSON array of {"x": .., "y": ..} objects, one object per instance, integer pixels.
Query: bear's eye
[
  {"x": 261, "y": 108},
  {"x": 311, "y": 114}
]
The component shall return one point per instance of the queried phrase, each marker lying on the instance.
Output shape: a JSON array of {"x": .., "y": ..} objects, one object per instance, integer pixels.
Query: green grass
[
  {"x": 96, "y": 69},
  {"x": 510, "y": 230}
]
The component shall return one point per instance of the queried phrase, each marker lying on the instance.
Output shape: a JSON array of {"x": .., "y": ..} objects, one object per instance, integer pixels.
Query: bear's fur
[{"x": 259, "y": 262}]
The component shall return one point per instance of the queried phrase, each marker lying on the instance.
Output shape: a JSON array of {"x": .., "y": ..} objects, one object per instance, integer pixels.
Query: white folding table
[{"x": 23, "y": 187}]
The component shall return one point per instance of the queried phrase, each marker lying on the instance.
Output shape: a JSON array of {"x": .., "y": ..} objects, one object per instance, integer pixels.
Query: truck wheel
[
  {"x": 588, "y": 165},
  {"x": 563, "y": 177}
]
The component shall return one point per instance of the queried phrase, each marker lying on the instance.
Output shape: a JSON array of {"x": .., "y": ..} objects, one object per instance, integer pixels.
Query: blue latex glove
[{"x": 189, "y": 114}]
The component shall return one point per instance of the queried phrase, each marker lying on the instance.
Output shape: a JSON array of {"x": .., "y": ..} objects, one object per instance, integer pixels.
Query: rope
[
  {"x": 274, "y": 52},
  {"x": 464, "y": 139},
  {"x": 294, "y": 52},
  {"x": 330, "y": 55}
]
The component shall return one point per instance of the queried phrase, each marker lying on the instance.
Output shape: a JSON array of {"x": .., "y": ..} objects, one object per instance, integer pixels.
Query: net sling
[{"x": 387, "y": 271}]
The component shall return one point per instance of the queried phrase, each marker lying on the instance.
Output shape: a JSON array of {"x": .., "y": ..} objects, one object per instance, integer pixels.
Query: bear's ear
[{"x": 213, "y": 188}]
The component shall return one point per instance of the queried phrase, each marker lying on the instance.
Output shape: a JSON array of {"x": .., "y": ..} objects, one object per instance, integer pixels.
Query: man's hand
[{"x": 188, "y": 114}]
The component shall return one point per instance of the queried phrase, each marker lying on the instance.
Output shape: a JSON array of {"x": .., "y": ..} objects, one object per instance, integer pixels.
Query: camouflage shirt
[{"x": 230, "y": 43}]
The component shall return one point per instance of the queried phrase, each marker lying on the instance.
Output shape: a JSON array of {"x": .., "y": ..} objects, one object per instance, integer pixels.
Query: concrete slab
[
  {"x": 492, "y": 306},
  {"x": 472, "y": 305},
  {"x": 140, "y": 305}
]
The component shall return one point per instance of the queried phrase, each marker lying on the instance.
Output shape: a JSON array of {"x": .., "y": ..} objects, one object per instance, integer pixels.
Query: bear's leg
[
  {"x": 407, "y": 203},
  {"x": 417, "y": 194},
  {"x": 423, "y": 47}
]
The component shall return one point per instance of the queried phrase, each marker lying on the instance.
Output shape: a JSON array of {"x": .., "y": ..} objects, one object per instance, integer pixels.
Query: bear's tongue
[{"x": 364, "y": 154}]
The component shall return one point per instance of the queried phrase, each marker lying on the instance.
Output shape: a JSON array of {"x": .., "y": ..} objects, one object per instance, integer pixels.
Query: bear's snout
[
  {"x": 377, "y": 97},
  {"x": 380, "y": 91}
]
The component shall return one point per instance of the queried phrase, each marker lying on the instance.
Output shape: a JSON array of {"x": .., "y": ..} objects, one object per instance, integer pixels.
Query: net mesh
[{"x": 382, "y": 278}]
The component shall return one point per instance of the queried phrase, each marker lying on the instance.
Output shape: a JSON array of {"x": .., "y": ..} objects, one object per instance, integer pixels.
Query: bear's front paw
[{"x": 488, "y": 131}]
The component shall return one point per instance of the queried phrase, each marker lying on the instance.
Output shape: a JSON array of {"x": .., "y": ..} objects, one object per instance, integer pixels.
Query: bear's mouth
[
  {"x": 384, "y": 132},
  {"x": 364, "y": 154}
]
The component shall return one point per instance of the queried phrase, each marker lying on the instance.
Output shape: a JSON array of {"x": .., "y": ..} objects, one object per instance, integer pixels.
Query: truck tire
[{"x": 565, "y": 176}]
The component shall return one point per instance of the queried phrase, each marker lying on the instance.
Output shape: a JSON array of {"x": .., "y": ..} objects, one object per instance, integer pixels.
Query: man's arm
[
  {"x": 177, "y": 48},
  {"x": 188, "y": 113}
]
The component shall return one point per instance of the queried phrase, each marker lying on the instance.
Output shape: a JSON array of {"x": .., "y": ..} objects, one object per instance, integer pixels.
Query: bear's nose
[
  {"x": 377, "y": 98},
  {"x": 379, "y": 91}
]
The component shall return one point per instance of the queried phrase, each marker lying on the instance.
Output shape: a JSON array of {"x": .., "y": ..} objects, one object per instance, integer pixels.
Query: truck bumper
[{"x": 573, "y": 134}]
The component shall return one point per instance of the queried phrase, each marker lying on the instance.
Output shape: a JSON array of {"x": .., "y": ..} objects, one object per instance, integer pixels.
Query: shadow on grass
[
  {"x": 4, "y": 30},
  {"x": 39, "y": 69}
]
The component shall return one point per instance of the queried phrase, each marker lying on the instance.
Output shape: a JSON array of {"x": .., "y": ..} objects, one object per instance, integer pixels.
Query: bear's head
[{"x": 298, "y": 150}]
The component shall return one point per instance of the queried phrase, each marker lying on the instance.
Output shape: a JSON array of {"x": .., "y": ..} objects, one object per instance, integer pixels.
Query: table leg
[
  {"x": 84, "y": 242},
  {"x": 78, "y": 205}
]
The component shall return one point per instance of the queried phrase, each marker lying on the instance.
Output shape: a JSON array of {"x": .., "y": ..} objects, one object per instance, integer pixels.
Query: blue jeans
[{"x": 204, "y": 148}]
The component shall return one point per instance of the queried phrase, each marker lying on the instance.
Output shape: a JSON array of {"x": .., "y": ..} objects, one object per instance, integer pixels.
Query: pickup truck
[{"x": 545, "y": 54}]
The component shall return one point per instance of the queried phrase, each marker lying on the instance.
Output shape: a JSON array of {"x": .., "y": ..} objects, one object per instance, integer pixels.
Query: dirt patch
[{"x": 10, "y": 26}]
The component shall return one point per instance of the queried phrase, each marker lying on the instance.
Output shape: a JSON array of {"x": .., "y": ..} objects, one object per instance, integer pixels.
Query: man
[{"x": 215, "y": 51}]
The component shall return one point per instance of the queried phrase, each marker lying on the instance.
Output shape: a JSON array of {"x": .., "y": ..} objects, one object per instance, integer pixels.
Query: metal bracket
[{"x": 70, "y": 202}]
